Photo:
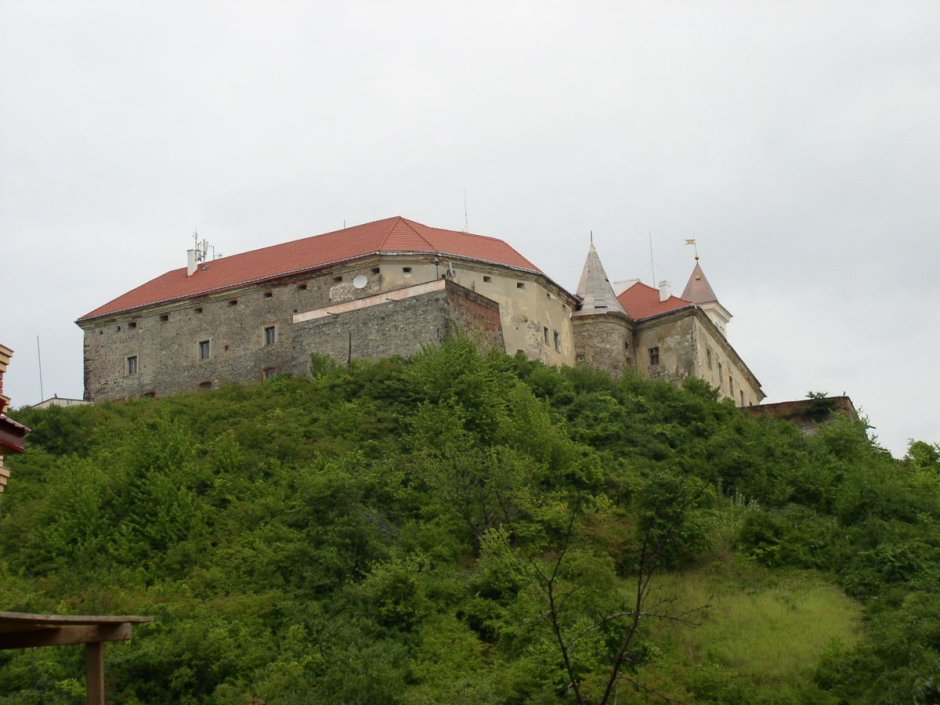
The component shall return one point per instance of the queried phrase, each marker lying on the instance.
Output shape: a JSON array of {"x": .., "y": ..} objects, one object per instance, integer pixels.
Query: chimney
[
  {"x": 192, "y": 261},
  {"x": 665, "y": 290}
]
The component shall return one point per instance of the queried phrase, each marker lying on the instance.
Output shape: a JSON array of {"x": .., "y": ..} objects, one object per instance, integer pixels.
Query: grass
[{"x": 766, "y": 632}]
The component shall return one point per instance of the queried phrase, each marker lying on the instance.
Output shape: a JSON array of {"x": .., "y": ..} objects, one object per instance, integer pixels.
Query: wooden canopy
[{"x": 19, "y": 630}]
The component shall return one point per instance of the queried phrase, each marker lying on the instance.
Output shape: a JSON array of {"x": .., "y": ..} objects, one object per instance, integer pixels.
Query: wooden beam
[
  {"x": 94, "y": 673},
  {"x": 60, "y": 636},
  {"x": 29, "y": 618}
]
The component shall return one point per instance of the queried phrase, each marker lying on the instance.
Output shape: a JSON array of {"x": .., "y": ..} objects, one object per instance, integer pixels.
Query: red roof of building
[
  {"x": 642, "y": 301},
  {"x": 12, "y": 436},
  {"x": 698, "y": 289},
  {"x": 389, "y": 236}
]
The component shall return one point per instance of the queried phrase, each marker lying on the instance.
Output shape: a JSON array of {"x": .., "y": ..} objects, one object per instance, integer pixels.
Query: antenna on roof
[
  {"x": 42, "y": 394},
  {"x": 199, "y": 253},
  {"x": 466, "y": 213}
]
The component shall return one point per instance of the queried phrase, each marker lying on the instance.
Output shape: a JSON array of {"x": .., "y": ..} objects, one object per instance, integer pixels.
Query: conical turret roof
[
  {"x": 594, "y": 289},
  {"x": 698, "y": 290}
]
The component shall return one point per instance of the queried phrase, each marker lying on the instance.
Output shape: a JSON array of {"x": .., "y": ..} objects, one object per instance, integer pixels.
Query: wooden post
[{"x": 94, "y": 672}]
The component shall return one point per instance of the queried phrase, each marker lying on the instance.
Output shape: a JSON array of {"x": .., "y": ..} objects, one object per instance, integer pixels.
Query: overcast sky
[{"x": 798, "y": 142}]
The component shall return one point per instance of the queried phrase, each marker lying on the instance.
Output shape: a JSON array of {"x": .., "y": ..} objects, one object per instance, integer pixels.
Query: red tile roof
[
  {"x": 642, "y": 301},
  {"x": 389, "y": 236},
  {"x": 698, "y": 289}
]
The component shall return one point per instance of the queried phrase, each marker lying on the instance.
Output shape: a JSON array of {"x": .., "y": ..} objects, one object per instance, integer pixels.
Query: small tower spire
[
  {"x": 595, "y": 291},
  {"x": 700, "y": 292}
]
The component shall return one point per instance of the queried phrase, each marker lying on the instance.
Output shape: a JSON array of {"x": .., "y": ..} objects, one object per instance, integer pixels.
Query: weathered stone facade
[
  {"x": 687, "y": 343},
  {"x": 374, "y": 291},
  {"x": 397, "y": 327},
  {"x": 201, "y": 342},
  {"x": 604, "y": 342}
]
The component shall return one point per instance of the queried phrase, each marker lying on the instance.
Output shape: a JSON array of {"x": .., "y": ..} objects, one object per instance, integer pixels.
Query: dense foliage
[{"x": 395, "y": 532}]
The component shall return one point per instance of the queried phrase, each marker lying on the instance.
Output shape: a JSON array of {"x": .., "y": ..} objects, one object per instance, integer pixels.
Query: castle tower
[
  {"x": 602, "y": 330},
  {"x": 700, "y": 292}
]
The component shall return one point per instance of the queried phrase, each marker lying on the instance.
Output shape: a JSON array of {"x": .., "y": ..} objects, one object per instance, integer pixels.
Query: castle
[{"x": 388, "y": 288}]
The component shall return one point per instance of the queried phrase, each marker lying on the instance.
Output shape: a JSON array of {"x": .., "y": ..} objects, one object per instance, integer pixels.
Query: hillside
[{"x": 462, "y": 528}]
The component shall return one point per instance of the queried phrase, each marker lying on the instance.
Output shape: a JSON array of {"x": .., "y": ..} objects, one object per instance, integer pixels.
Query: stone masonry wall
[
  {"x": 400, "y": 327},
  {"x": 689, "y": 345},
  {"x": 603, "y": 342},
  {"x": 165, "y": 340},
  {"x": 674, "y": 340}
]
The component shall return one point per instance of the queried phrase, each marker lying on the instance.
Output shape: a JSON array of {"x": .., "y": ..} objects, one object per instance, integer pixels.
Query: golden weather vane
[{"x": 691, "y": 241}]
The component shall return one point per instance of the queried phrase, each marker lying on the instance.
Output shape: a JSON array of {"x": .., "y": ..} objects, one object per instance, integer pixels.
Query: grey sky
[{"x": 797, "y": 141}]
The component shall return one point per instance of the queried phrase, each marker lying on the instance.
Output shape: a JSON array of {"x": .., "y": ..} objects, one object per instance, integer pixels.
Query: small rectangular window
[
  {"x": 376, "y": 270},
  {"x": 731, "y": 386},
  {"x": 233, "y": 302},
  {"x": 301, "y": 287},
  {"x": 268, "y": 372},
  {"x": 268, "y": 294},
  {"x": 557, "y": 341},
  {"x": 132, "y": 365},
  {"x": 132, "y": 325},
  {"x": 720, "y": 380},
  {"x": 545, "y": 333},
  {"x": 520, "y": 285},
  {"x": 199, "y": 309},
  {"x": 406, "y": 270},
  {"x": 487, "y": 279},
  {"x": 164, "y": 318},
  {"x": 708, "y": 356},
  {"x": 204, "y": 386},
  {"x": 337, "y": 280},
  {"x": 204, "y": 350},
  {"x": 654, "y": 355},
  {"x": 270, "y": 335}
]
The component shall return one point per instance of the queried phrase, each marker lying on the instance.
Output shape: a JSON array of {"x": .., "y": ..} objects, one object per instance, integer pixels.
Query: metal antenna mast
[
  {"x": 466, "y": 213},
  {"x": 42, "y": 393}
]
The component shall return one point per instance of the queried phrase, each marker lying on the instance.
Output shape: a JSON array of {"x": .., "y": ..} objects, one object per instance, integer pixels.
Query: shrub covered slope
[{"x": 467, "y": 528}]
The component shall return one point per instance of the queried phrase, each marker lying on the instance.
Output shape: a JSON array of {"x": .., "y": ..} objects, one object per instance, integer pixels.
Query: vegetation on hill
[{"x": 467, "y": 528}]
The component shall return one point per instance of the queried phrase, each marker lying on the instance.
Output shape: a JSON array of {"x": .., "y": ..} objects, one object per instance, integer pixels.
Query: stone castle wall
[
  {"x": 157, "y": 351},
  {"x": 355, "y": 310},
  {"x": 397, "y": 327},
  {"x": 690, "y": 345},
  {"x": 164, "y": 342},
  {"x": 604, "y": 342}
]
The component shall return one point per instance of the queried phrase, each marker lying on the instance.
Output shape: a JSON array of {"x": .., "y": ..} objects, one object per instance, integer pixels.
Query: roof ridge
[
  {"x": 411, "y": 225},
  {"x": 656, "y": 288},
  {"x": 467, "y": 233},
  {"x": 392, "y": 222}
]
